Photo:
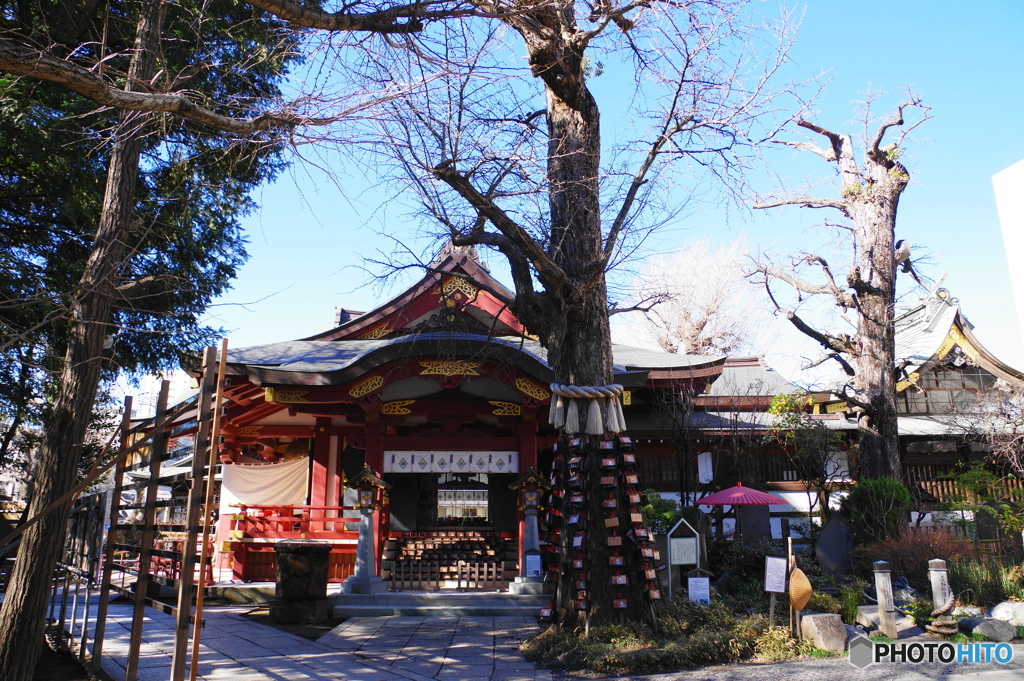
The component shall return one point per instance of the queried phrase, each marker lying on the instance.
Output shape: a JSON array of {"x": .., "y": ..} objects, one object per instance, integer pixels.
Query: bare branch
[
  {"x": 827, "y": 154},
  {"x": 806, "y": 202},
  {"x": 546, "y": 267},
  {"x": 21, "y": 61},
  {"x": 646, "y": 304}
]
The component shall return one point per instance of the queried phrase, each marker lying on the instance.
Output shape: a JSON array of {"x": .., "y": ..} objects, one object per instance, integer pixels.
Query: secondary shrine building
[{"x": 442, "y": 392}]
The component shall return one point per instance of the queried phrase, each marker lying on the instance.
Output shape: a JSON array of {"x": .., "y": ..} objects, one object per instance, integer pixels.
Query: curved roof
[{"x": 319, "y": 362}]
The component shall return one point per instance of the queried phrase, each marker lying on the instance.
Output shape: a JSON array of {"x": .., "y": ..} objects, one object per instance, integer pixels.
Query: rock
[
  {"x": 853, "y": 632},
  {"x": 968, "y": 611},
  {"x": 996, "y": 630},
  {"x": 993, "y": 630},
  {"x": 903, "y": 597},
  {"x": 1017, "y": 621},
  {"x": 1008, "y": 610},
  {"x": 967, "y": 624},
  {"x": 834, "y": 545},
  {"x": 825, "y": 631}
]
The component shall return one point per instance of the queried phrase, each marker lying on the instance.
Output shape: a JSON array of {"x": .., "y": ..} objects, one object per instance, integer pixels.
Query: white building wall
[{"x": 1009, "y": 189}]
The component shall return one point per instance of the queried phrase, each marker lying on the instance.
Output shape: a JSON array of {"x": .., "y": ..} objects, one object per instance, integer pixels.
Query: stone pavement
[{"x": 360, "y": 649}]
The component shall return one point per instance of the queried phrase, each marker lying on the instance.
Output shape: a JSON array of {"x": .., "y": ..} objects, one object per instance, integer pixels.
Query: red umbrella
[{"x": 739, "y": 496}]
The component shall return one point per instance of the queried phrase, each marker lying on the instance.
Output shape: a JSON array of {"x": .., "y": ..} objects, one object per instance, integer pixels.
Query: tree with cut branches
[{"x": 868, "y": 200}]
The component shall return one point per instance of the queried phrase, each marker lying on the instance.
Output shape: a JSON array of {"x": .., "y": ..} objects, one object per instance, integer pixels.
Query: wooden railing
[
  {"x": 255, "y": 530},
  {"x": 459, "y": 560}
]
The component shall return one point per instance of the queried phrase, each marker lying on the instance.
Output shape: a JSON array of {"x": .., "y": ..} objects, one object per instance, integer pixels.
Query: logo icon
[{"x": 862, "y": 652}]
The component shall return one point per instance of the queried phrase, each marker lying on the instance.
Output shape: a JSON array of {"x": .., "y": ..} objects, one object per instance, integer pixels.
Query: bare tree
[
  {"x": 868, "y": 200},
  {"x": 512, "y": 160},
  {"x": 710, "y": 307}
]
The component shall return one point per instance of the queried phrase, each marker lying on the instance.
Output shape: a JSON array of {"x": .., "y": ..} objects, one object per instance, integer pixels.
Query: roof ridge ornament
[{"x": 450, "y": 249}]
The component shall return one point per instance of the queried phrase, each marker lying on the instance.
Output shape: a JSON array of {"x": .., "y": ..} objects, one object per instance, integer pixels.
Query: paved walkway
[{"x": 360, "y": 649}]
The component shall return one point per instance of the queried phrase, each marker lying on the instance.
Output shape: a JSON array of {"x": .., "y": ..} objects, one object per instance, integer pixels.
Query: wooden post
[
  {"x": 157, "y": 451},
  {"x": 886, "y": 607},
  {"x": 941, "y": 593},
  {"x": 107, "y": 570},
  {"x": 204, "y": 554},
  {"x": 188, "y": 557}
]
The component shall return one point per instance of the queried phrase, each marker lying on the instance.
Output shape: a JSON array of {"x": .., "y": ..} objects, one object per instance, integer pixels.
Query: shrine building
[{"x": 441, "y": 392}]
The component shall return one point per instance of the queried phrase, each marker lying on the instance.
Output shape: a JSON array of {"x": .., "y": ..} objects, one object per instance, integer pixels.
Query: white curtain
[{"x": 266, "y": 484}]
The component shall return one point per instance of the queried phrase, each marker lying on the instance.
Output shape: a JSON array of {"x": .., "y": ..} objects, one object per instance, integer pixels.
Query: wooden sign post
[
  {"x": 886, "y": 607},
  {"x": 774, "y": 582}
]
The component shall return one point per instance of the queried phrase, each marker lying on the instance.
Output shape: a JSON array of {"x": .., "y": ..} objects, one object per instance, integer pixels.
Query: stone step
[
  {"x": 869, "y": 618},
  {"x": 436, "y": 604}
]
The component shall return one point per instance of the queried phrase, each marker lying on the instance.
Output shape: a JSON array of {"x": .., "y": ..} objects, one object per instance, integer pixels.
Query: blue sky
[{"x": 308, "y": 240}]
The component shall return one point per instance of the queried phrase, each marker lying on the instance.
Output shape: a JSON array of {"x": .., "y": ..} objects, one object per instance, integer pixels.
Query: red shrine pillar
[
  {"x": 320, "y": 484},
  {"x": 375, "y": 447},
  {"x": 527, "y": 442},
  {"x": 374, "y": 456}
]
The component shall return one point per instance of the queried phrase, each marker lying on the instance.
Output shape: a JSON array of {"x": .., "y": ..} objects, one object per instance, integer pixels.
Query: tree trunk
[
  {"x": 874, "y": 218},
  {"x": 22, "y": 615},
  {"x": 579, "y": 342}
]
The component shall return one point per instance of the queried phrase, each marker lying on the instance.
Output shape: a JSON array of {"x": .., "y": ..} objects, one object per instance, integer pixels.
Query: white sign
[
  {"x": 699, "y": 589},
  {"x": 775, "y": 574},
  {"x": 684, "y": 550},
  {"x": 533, "y": 565}
]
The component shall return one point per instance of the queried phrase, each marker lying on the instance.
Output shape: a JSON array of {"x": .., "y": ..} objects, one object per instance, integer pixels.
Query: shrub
[
  {"x": 742, "y": 560},
  {"x": 921, "y": 611},
  {"x": 985, "y": 583},
  {"x": 776, "y": 644},
  {"x": 877, "y": 509},
  {"x": 690, "y": 635},
  {"x": 850, "y": 597},
  {"x": 823, "y": 602},
  {"x": 908, "y": 554}
]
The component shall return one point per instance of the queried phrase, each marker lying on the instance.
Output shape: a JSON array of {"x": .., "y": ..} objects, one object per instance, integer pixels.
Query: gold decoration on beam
[
  {"x": 530, "y": 388},
  {"x": 249, "y": 431},
  {"x": 912, "y": 379},
  {"x": 367, "y": 386},
  {"x": 375, "y": 333},
  {"x": 396, "y": 408},
  {"x": 954, "y": 338},
  {"x": 836, "y": 407},
  {"x": 449, "y": 368},
  {"x": 627, "y": 398},
  {"x": 453, "y": 284},
  {"x": 506, "y": 408},
  {"x": 279, "y": 395}
]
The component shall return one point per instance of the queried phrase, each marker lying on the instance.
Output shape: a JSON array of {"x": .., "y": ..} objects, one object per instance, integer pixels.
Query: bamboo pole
[{"x": 204, "y": 557}]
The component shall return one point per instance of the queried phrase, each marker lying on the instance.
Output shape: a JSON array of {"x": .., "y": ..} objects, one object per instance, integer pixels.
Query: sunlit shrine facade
[{"x": 441, "y": 392}]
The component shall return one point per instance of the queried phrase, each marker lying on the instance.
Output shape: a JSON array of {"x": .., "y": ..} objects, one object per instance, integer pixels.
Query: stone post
[
  {"x": 365, "y": 580},
  {"x": 886, "y": 607},
  {"x": 530, "y": 579},
  {"x": 941, "y": 594},
  {"x": 301, "y": 589}
]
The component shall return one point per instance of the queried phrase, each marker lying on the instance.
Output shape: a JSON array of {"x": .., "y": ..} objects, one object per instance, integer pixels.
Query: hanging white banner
[{"x": 451, "y": 461}]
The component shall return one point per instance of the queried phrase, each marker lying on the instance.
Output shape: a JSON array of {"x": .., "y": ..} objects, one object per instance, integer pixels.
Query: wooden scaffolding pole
[
  {"x": 157, "y": 452},
  {"x": 205, "y": 554},
  {"x": 188, "y": 558},
  {"x": 108, "y": 556}
]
